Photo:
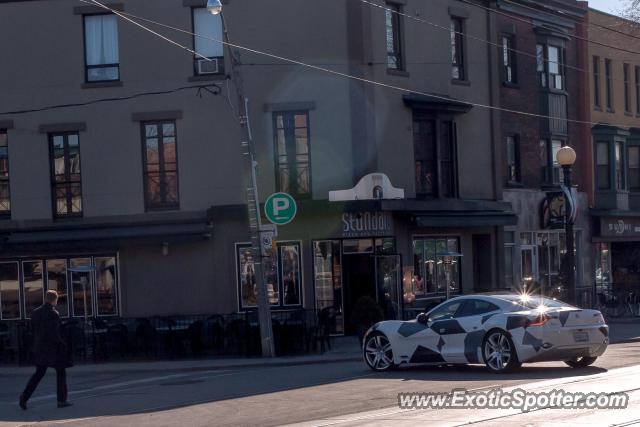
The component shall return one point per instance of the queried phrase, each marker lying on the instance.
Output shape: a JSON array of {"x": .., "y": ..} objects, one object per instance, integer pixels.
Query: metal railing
[{"x": 174, "y": 337}]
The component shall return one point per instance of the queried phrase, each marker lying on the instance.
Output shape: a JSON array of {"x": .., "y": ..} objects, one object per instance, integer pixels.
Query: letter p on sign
[{"x": 280, "y": 208}]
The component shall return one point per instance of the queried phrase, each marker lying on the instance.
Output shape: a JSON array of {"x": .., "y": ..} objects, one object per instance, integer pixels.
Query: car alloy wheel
[
  {"x": 499, "y": 352},
  {"x": 378, "y": 353}
]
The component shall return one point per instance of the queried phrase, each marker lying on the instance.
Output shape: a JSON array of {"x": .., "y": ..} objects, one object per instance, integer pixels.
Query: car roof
[{"x": 497, "y": 298}]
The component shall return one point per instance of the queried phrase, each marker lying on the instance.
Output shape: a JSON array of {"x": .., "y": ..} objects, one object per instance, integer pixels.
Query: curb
[
  {"x": 265, "y": 364},
  {"x": 626, "y": 341}
]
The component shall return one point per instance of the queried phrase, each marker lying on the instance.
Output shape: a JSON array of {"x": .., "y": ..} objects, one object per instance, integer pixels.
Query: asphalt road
[{"x": 261, "y": 395}]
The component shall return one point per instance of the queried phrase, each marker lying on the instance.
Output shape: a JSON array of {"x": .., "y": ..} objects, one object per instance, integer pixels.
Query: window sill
[
  {"x": 399, "y": 73},
  {"x": 628, "y": 113},
  {"x": 97, "y": 85},
  {"x": 510, "y": 85},
  {"x": 460, "y": 82},
  {"x": 207, "y": 78},
  {"x": 68, "y": 218},
  {"x": 596, "y": 108},
  {"x": 151, "y": 209},
  {"x": 609, "y": 110}
]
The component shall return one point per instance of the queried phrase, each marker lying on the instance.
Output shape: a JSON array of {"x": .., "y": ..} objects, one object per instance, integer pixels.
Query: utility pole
[{"x": 251, "y": 189}]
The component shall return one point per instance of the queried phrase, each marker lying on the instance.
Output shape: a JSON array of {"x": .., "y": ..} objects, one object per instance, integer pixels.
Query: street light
[
  {"x": 214, "y": 7},
  {"x": 566, "y": 157}
]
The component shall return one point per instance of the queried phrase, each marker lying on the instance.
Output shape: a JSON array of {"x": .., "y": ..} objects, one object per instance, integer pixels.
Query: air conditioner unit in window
[{"x": 208, "y": 66}]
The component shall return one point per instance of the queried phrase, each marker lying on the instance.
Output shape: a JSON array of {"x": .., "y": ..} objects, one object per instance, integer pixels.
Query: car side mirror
[{"x": 422, "y": 318}]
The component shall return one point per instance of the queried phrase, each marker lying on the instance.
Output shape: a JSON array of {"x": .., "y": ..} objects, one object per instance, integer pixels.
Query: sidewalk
[{"x": 343, "y": 349}]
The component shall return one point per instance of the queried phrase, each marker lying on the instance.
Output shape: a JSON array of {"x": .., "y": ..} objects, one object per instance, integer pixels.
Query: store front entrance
[
  {"x": 359, "y": 279},
  {"x": 354, "y": 276}
]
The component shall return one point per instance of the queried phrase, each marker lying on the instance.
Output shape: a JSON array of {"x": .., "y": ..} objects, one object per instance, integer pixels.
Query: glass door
[
  {"x": 328, "y": 285},
  {"x": 389, "y": 285}
]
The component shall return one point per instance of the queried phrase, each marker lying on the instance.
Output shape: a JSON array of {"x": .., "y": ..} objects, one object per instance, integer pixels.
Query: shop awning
[
  {"x": 96, "y": 233},
  {"x": 116, "y": 233},
  {"x": 465, "y": 219},
  {"x": 436, "y": 103}
]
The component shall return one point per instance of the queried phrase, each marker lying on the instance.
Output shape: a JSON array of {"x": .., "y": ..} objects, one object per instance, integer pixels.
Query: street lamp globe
[
  {"x": 214, "y": 7},
  {"x": 566, "y": 156}
]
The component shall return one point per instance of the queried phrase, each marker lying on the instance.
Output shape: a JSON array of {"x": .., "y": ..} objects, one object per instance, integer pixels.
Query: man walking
[{"x": 49, "y": 350}]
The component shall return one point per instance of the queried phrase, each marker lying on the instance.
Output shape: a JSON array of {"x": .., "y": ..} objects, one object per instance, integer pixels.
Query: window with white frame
[
  {"x": 102, "y": 57},
  {"x": 550, "y": 66},
  {"x": 281, "y": 271},
  {"x": 207, "y": 42},
  {"x": 510, "y": 74},
  {"x": 85, "y": 285}
]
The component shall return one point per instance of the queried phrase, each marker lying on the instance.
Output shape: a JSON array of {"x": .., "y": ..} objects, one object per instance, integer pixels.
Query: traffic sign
[{"x": 280, "y": 208}]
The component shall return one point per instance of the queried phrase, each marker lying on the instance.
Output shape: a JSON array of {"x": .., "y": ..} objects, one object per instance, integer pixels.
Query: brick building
[
  {"x": 615, "y": 106},
  {"x": 541, "y": 71}
]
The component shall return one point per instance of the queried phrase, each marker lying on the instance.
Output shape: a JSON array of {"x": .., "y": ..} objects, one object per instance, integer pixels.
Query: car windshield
[{"x": 529, "y": 302}]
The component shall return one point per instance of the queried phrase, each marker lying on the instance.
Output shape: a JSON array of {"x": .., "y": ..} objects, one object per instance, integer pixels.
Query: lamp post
[
  {"x": 566, "y": 157},
  {"x": 253, "y": 202}
]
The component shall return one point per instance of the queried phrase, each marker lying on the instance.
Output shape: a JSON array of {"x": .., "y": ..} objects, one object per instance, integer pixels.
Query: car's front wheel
[
  {"x": 499, "y": 353},
  {"x": 378, "y": 353},
  {"x": 580, "y": 362}
]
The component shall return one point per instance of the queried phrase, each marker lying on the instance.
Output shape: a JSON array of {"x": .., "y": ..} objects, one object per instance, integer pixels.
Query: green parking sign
[{"x": 280, "y": 208}]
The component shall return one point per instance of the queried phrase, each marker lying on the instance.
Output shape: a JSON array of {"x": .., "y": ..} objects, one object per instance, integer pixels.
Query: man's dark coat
[{"x": 49, "y": 348}]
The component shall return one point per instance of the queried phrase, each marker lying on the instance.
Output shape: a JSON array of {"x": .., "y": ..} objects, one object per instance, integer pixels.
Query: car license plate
[{"x": 580, "y": 336}]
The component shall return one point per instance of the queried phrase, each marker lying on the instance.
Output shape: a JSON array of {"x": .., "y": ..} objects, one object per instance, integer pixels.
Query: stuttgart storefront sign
[
  {"x": 366, "y": 224},
  {"x": 620, "y": 227}
]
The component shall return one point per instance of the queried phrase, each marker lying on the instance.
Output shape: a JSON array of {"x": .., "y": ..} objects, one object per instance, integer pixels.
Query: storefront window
[
  {"x": 9, "y": 291},
  {"x": 281, "y": 271},
  {"x": 81, "y": 288},
  {"x": 291, "y": 275},
  {"x": 328, "y": 285},
  {"x": 432, "y": 270},
  {"x": 246, "y": 277},
  {"x": 106, "y": 293},
  {"x": 57, "y": 281},
  {"x": 549, "y": 263},
  {"x": 93, "y": 288},
  {"x": 359, "y": 246},
  {"x": 33, "y": 286}
]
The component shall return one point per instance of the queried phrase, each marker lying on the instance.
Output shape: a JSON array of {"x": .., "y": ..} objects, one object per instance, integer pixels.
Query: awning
[
  {"x": 100, "y": 233},
  {"x": 200, "y": 230},
  {"x": 436, "y": 102},
  {"x": 465, "y": 219}
]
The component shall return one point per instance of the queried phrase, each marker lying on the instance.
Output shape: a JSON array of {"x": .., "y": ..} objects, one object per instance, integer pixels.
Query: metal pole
[
  {"x": 253, "y": 203},
  {"x": 570, "y": 261}
]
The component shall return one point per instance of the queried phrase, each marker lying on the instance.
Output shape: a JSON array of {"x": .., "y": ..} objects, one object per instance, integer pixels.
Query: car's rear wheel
[
  {"x": 499, "y": 353},
  {"x": 378, "y": 353},
  {"x": 580, "y": 362}
]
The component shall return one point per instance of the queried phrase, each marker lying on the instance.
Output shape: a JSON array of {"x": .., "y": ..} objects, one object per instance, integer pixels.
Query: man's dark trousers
[{"x": 61, "y": 383}]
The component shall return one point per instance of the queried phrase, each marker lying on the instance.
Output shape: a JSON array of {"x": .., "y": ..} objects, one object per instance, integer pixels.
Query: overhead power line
[
  {"x": 480, "y": 39},
  {"x": 131, "y": 17},
  {"x": 210, "y": 88},
  {"x": 572, "y": 36}
]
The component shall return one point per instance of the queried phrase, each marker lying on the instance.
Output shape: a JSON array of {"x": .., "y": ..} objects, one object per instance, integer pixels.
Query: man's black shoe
[
  {"x": 23, "y": 402},
  {"x": 64, "y": 404}
]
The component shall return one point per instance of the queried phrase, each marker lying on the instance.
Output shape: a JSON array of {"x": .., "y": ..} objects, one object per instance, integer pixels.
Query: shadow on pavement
[{"x": 255, "y": 382}]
